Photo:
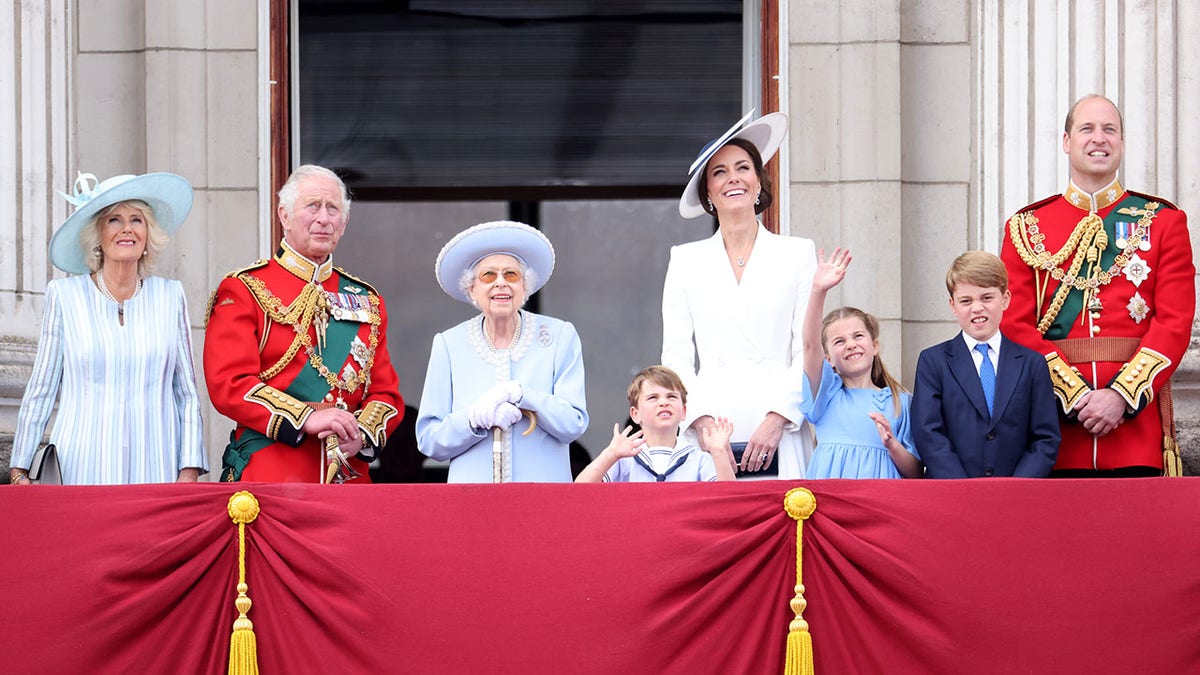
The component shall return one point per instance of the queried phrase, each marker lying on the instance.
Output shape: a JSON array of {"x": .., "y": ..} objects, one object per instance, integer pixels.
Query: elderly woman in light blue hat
[
  {"x": 734, "y": 302},
  {"x": 504, "y": 392},
  {"x": 115, "y": 348}
]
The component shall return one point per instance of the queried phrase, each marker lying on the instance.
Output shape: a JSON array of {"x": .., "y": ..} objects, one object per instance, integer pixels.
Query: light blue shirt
[
  {"x": 128, "y": 411},
  {"x": 547, "y": 359}
]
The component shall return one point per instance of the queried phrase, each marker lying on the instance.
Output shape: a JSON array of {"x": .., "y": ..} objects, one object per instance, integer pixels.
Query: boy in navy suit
[{"x": 983, "y": 405}]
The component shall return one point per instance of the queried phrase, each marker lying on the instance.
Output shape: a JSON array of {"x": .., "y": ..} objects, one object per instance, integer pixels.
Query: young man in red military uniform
[
  {"x": 295, "y": 351},
  {"x": 1102, "y": 284}
]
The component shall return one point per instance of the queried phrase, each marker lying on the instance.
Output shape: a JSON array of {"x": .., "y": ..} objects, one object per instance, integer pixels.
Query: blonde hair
[
  {"x": 978, "y": 268},
  {"x": 156, "y": 238},
  {"x": 660, "y": 375},
  {"x": 880, "y": 377}
]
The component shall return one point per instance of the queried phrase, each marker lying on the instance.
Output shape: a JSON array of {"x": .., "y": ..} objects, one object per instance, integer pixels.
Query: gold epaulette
[
  {"x": 1152, "y": 198},
  {"x": 1135, "y": 380},
  {"x": 212, "y": 297},
  {"x": 1069, "y": 385},
  {"x": 261, "y": 262},
  {"x": 356, "y": 280}
]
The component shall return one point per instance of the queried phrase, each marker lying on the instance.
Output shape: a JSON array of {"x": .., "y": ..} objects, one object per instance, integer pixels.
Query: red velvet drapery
[{"x": 999, "y": 576}]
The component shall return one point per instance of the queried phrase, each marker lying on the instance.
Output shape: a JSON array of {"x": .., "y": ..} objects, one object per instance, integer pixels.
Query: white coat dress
[{"x": 747, "y": 336}]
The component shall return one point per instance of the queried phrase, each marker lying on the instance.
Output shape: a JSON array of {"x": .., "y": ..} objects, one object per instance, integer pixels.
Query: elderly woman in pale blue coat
[{"x": 504, "y": 392}]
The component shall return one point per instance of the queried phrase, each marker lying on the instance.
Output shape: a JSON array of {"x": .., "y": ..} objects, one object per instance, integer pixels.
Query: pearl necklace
[
  {"x": 108, "y": 294},
  {"x": 515, "y": 338}
]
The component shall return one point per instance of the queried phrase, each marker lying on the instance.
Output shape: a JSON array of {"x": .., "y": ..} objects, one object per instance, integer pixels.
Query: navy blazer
[{"x": 952, "y": 429}]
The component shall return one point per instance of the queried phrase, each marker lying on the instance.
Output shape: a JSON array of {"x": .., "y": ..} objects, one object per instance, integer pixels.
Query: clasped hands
[
  {"x": 335, "y": 421},
  {"x": 497, "y": 407}
]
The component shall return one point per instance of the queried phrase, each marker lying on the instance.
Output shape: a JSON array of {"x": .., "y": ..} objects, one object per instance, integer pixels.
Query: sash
[
  {"x": 1073, "y": 303},
  {"x": 308, "y": 385}
]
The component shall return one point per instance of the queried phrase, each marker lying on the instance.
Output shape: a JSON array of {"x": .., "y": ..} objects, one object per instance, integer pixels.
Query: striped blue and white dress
[{"x": 128, "y": 411}]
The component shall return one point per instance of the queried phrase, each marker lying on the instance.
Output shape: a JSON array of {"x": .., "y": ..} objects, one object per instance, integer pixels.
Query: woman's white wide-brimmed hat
[
  {"x": 473, "y": 244},
  {"x": 169, "y": 196},
  {"x": 766, "y": 133}
]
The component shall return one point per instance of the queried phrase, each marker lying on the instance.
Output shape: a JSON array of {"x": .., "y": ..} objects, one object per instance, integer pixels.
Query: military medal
[{"x": 1122, "y": 234}]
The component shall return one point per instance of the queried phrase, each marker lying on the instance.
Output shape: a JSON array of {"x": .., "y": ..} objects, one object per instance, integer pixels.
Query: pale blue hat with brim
[
  {"x": 169, "y": 196},
  {"x": 467, "y": 248},
  {"x": 766, "y": 133}
]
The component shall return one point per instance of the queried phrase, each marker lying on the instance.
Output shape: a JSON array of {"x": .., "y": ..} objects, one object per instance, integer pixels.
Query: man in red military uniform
[
  {"x": 1102, "y": 284},
  {"x": 295, "y": 351}
]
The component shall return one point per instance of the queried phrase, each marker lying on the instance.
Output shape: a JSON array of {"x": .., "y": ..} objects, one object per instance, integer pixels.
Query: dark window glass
[{"x": 542, "y": 94}]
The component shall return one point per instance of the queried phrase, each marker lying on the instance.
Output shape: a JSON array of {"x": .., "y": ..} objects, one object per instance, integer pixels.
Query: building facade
[{"x": 917, "y": 127}]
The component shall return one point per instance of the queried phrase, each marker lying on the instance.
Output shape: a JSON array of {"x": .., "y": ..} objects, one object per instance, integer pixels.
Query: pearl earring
[{"x": 96, "y": 252}]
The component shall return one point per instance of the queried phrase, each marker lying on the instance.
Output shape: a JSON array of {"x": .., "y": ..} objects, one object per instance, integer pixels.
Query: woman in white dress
[
  {"x": 115, "y": 350},
  {"x": 733, "y": 306}
]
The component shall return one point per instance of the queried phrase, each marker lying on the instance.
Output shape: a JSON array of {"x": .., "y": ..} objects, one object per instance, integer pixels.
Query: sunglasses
[{"x": 510, "y": 275}]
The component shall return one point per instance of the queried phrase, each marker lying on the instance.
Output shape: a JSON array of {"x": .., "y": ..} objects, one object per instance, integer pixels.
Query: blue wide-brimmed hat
[
  {"x": 766, "y": 133},
  {"x": 169, "y": 196},
  {"x": 473, "y": 244}
]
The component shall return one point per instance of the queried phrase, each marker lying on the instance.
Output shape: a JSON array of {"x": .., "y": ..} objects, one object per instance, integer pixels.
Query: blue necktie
[{"x": 987, "y": 376}]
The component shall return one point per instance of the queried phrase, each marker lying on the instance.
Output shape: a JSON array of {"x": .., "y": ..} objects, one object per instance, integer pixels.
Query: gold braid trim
[
  {"x": 1069, "y": 385},
  {"x": 373, "y": 419},
  {"x": 1087, "y": 242},
  {"x": 300, "y": 315},
  {"x": 282, "y": 407},
  {"x": 1135, "y": 379}
]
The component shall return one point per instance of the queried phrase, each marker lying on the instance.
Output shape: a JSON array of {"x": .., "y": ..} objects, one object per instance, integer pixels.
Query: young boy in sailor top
[{"x": 658, "y": 402}]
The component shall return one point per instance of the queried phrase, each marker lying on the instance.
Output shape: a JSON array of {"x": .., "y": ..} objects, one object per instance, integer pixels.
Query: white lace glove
[{"x": 506, "y": 415}]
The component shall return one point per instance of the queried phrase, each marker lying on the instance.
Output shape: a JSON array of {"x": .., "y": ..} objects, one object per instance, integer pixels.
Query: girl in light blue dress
[{"x": 859, "y": 411}]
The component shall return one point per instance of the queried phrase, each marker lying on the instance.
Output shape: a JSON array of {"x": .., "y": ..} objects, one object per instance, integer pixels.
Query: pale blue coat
[{"x": 547, "y": 360}]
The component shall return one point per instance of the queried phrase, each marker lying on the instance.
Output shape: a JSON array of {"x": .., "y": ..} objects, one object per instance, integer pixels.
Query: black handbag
[{"x": 44, "y": 468}]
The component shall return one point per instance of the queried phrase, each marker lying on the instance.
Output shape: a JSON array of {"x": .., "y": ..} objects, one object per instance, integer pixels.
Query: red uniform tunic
[
  {"x": 1139, "y": 289},
  {"x": 283, "y": 338}
]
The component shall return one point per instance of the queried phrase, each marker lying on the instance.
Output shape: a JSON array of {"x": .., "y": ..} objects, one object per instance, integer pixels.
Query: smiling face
[
  {"x": 1095, "y": 143},
  {"x": 659, "y": 410},
  {"x": 123, "y": 230},
  {"x": 316, "y": 221},
  {"x": 849, "y": 347},
  {"x": 978, "y": 310},
  {"x": 499, "y": 287},
  {"x": 732, "y": 180}
]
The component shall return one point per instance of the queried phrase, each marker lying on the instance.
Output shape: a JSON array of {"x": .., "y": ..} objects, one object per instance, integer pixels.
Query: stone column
[
  {"x": 1032, "y": 59},
  {"x": 845, "y": 163}
]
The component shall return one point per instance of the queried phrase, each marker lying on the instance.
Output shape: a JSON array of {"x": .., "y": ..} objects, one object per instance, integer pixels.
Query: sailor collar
[
  {"x": 1103, "y": 198},
  {"x": 309, "y": 271}
]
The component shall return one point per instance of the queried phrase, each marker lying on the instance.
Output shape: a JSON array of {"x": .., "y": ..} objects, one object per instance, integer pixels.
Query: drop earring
[
  {"x": 710, "y": 206},
  {"x": 757, "y": 199}
]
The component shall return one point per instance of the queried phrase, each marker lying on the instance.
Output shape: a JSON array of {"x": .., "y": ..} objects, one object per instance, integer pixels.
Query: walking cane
[{"x": 498, "y": 445}]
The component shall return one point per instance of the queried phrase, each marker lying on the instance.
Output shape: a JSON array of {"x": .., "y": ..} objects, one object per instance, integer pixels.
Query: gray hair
[
  {"x": 290, "y": 190},
  {"x": 467, "y": 279},
  {"x": 156, "y": 238}
]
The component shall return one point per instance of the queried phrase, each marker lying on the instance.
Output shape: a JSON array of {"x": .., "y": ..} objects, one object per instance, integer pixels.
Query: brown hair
[
  {"x": 765, "y": 197},
  {"x": 660, "y": 375},
  {"x": 978, "y": 268},
  {"x": 880, "y": 377},
  {"x": 1071, "y": 112}
]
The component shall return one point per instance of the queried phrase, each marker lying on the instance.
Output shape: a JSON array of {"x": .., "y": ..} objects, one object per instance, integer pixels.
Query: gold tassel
[
  {"x": 1172, "y": 462},
  {"x": 243, "y": 647},
  {"x": 799, "y": 504}
]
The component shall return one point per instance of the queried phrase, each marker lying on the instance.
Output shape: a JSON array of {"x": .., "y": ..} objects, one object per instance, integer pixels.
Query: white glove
[
  {"x": 506, "y": 415},
  {"x": 512, "y": 390},
  {"x": 482, "y": 414}
]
